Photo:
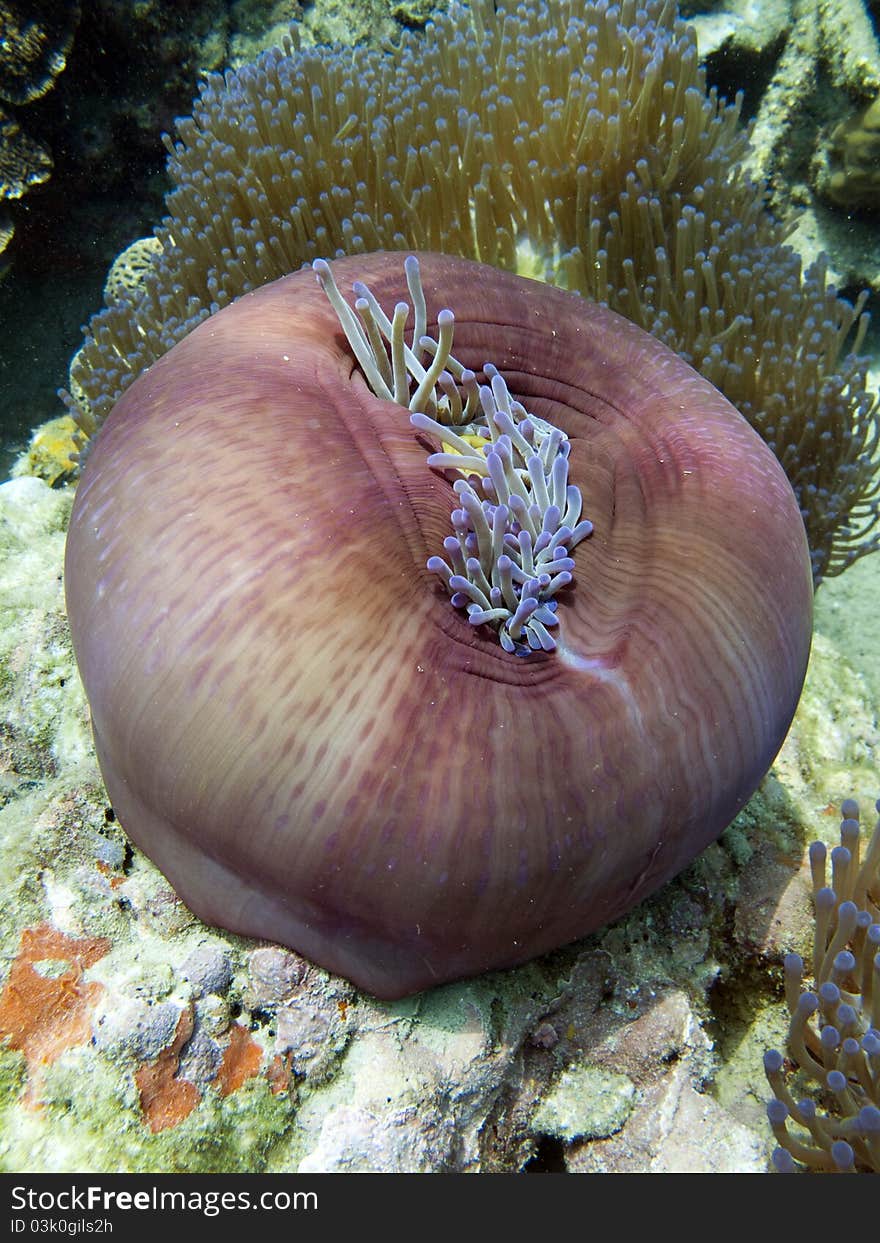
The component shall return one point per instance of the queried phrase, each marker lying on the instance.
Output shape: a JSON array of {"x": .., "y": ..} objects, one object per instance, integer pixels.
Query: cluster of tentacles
[
  {"x": 509, "y": 555},
  {"x": 834, "y": 1034}
]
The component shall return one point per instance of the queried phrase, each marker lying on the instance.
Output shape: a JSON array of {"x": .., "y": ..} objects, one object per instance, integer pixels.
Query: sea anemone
[
  {"x": 316, "y": 741},
  {"x": 834, "y": 1035}
]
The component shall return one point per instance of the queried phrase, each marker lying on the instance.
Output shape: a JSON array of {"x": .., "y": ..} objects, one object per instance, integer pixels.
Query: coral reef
[
  {"x": 853, "y": 180},
  {"x": 811, "y": 71},
  {"x": 23, "y": 162},
  {"x": 803, "y": 63},
  {"x": 130, "y": 71},
  {"x": 52, "y": 453},
  {"x": 85, "y": 93},
  {"x": 133, "y": 68},
  {"x": 578, "y": 144},
  {"x": 834, "y": 1034},
  {"x": 674, "y": 1000},
  {"x": 35, "y": 40},
  {"x": 126, "y": 277},
  {"x": 827, "y": 44}
]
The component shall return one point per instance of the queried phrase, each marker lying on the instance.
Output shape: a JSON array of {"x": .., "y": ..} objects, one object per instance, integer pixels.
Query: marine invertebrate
[
  {"x": 23, "y": 163},
  {"x": 509, "y": 557},
  {"x": 573, "y": 141},
  {"x": 34, "y": 43},
  {"x": 35, "y": 40},
  {"x": 304, "y": 735},
  {"x": 52, "y": 453},
  {"x": 834, "y": 1035},
  {"x": 44, "y": 1015}
]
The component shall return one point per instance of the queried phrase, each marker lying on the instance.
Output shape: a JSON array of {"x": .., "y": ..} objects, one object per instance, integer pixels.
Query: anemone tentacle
[{"x": 510, "y": 554}]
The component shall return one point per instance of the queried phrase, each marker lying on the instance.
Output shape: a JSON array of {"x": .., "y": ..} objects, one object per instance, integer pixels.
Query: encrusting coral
[
  {"x": 834, "y": 1034},
  {"x": 575, "y": 142}
]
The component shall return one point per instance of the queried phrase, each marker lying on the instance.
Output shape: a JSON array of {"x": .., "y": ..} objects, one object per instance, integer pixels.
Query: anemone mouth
[{"x": 590, "y": 422}]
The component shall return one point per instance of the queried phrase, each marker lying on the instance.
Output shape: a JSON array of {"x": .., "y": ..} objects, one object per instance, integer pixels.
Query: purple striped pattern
[{"x": 313, "y": 746}]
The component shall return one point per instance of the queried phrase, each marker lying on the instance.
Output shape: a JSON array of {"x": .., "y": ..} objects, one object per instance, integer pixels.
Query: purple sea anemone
[{"x": 319, "y": 745}]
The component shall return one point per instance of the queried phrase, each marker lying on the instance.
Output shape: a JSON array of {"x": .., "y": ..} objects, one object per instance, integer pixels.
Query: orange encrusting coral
[
  {"x": 42, "y": 1015},
  {"x": 166, "y": 1100},
  {"x": 279, "y": 1074},
  {"x": 241, "y": 1061}
]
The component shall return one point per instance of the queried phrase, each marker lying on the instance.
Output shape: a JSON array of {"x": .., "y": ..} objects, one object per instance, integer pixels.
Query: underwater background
[{"x": 138, "y": 1039}]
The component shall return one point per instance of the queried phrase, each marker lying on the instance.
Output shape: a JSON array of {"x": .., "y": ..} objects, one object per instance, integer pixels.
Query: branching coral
[
  {"x": 834, "y": 1034},
  {"x": 576, "y": 142}
]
